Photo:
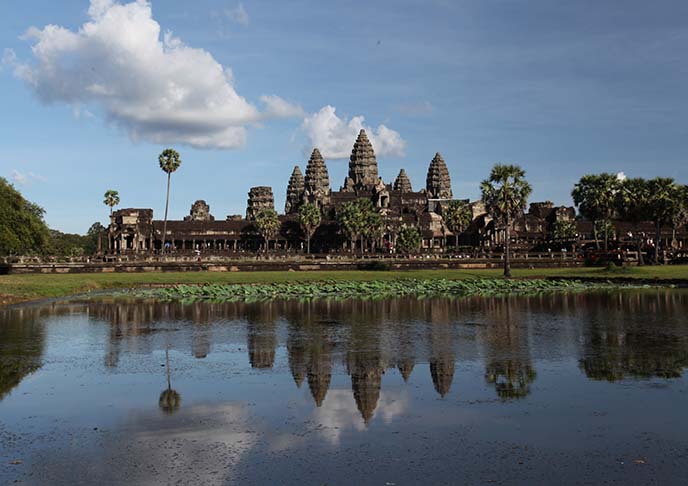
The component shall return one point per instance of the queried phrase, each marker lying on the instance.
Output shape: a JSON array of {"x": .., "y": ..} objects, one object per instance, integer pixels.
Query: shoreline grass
[{"x": 27, "y": 287}]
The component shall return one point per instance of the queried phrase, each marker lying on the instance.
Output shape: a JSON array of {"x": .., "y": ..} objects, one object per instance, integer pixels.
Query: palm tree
[
  {"x": 595, "y": 197},
  {"x": 664, "y": 203},
  {"x": 680, "y": 217},
  {"x": 268, "y": 224},
  {"x": 351, "y": 221},
  {"x": 309, "y": 218},
  {"x": 505, "y": 195},
  {"x": 632, "y": 205},
  {"x": 169, "y": 162},
  {"x": 457, "y": 216},
  {"x": 111, "y": 198}
]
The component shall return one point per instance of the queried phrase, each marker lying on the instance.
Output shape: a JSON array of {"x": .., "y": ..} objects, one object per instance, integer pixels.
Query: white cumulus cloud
[
  {"x": 154, "y": 86},
  {"x": 335, "y": 136}
]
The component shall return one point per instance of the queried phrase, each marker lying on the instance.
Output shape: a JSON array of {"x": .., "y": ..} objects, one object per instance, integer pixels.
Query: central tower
[{"x": 362, "y": 166}]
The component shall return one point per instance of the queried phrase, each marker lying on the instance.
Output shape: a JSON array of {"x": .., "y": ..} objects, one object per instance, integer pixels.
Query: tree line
[{"x": 23, "y": 230}]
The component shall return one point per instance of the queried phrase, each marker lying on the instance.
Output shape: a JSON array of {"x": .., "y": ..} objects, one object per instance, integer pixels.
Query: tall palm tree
[
  {"x": 111, "y": 198},
  {"x": 505, "y": 195},
  {"x": 595, "y": 196},
  {"x": 664, "y": 202},
  {"x": 169, "y": 162},
  {"x": 309, "y": 219}
]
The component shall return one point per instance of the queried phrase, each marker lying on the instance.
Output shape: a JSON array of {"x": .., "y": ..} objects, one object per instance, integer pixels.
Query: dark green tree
[
  {"x": 595, "y": 197},
  {"x": 457, "y": 216},
  {"x": 309, "y": 219},
  {"x": 408, "y": 239},
  {"x": 505, "y": 195},
  {"x": 351, "y": 219},
  {"x": 22, "y": 228},
  {"x": 664, "y": 204},
  {"x": 632, "y": 206},
  {"x": 563, "y": 230},
  {"x": 268, "y": 225},
  {"x": 169, "y": 162}
]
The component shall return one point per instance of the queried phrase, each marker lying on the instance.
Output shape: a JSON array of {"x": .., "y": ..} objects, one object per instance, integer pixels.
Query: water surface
[{"x": 582, "y": 388}]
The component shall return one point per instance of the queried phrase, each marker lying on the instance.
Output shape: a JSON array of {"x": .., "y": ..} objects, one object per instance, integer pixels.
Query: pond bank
[{"x": 23, "y": 288}]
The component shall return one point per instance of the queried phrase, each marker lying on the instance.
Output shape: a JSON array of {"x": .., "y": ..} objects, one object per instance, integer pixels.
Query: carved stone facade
[
  {"x": 134, "y": 230},
  {"x": 200, "y": 211},
  {"x": 402, "y": 183},
  {"x": 317, "y": 181},
  {"x": 362, "y": 166},
  {"x": 259, "y": 198},
  {"x": 438, "y": 182},
  {"x": 295, "y": 190}
]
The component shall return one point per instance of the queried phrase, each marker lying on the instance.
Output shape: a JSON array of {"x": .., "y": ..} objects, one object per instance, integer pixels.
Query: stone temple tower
[
  {"x": 438, "y": 183},
  {"x": 362, "y": 166},
  {"x": 317, "y": 181},
  {"x": 402, "y": 182},
  {"x": 295, "y": 189},
  {"x": 259, "y": 197}
]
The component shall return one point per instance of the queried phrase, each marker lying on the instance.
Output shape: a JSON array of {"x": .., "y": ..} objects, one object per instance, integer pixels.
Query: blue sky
[{"x": 244, "y": 89}]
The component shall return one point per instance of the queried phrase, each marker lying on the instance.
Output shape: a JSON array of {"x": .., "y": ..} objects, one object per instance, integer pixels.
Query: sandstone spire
[
  {"x": 295, "y": 189},
  {"x": 317, "y": 182},
  {"x": 402, "y": 182},
  {"x": 259, "y": 197},
  {"x": 362, "y": 166},
  {"x": 438, "y": 183}
]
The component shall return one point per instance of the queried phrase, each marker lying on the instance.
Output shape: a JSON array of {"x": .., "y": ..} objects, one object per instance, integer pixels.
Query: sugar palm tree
[
  {"x": 268, "y": 225},
  {"x": 309, "y": 218},
  {"x": 632, "y": 205},
  {"x": 505, "y": 195},
  {"x": 169, "y": 162},
  {"x": 595, "y": 196},
  {"x": 457, "y": 216},
  {"x": 111, "y": 198}
]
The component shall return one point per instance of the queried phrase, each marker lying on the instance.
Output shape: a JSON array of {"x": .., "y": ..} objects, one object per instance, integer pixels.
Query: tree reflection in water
[
  {"x": 170, "y": 399},
  {"x": 509, "y": 366},
  {"x": 614, "y": 335}
]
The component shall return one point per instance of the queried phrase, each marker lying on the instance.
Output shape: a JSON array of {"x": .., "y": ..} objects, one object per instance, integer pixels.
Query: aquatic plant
[{"x": 370, "y": 289}]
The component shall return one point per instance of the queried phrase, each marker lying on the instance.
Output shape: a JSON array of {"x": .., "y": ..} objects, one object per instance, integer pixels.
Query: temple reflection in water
[{"x": 507, "y": 336}]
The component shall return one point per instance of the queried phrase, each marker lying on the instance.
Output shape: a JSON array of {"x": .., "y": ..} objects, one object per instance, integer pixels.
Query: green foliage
[
  {"x": 408, "y": 239},
  {"x": 595, "y": 195},
  {"x": 111, "y": 198},
  {"x": 370, "y": 289},
  {"x": 457, "y": 216},
  {"x": 564, "y": 230},
  {"x": 505, "y": 194},
  {"x": 359, "y": 218},
  {"x": 74, "y": 245},
  {"x": 309, "y": 219},
  {"x": 664, "y": 199},
  {"x": 169, "y": 160},
  {"x": 22, "y": 228},
  {"x": 632, "y": 200},
  {"x": 268, "y": 223}
]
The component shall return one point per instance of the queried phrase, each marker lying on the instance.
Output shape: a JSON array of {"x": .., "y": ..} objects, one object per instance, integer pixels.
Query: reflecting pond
[{"x": 582, "y": 387}]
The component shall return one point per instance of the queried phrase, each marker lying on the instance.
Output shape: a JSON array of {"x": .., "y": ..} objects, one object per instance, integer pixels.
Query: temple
[{"x": 136, "y": 231}]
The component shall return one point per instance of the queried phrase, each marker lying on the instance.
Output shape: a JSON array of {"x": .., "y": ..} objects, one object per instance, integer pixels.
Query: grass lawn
[{"x": 18, "y": 288}]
